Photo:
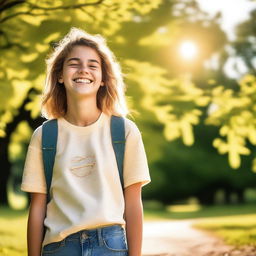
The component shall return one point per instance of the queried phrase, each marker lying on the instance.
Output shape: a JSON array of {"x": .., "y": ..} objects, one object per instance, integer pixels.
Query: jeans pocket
[
  {"x": 116, "y": 241},
  {"x": 53, "y": 247}
]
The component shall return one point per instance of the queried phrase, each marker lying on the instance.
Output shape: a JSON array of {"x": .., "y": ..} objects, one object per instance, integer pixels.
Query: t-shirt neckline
[{"x": 82, "y": 128}]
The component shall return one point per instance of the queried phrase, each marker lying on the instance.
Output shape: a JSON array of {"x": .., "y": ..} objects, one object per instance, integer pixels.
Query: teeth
[{"x": 80, "y": 80}]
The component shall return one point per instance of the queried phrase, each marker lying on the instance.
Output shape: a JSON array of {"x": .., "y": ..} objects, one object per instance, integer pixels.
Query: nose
[{"x": 83, "y": 69}]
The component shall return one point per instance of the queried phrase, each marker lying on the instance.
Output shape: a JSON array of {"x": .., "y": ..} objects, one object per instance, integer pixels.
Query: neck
[{"x": 82, "y": 112}]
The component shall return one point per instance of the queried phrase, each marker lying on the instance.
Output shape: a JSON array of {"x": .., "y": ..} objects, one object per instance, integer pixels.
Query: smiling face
[{"x": 82, "y": 72}]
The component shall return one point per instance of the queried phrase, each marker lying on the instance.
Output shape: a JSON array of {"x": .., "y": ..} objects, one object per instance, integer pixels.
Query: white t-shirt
[{"x": 86, "y": 192}]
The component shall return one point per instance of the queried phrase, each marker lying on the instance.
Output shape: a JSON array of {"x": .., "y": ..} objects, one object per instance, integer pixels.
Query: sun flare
[{"x": 188, "y": 50}]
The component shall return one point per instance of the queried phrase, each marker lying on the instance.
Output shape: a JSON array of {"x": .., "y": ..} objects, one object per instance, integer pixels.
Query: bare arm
[
  {"x": 134, "y": 218},
  {"x": 35, "y": 228}
]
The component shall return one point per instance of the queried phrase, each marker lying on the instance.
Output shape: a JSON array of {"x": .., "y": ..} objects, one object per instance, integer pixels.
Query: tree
[
  {"x": 145, "y": 36},
  {"x": 244, "y": 44},
  {"x": 185, "y": 103},
  {"x": 180, "y": 104}
]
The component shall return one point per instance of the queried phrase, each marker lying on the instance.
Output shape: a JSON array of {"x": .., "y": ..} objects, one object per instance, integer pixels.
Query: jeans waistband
[{"x": 96, "y": 231}]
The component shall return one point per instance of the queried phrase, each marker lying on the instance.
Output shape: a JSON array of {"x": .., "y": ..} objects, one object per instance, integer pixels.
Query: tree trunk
[
  {"x": 240, "y": 196},
  {"x": 206, "y": 197},
  {"x": 227, "y": 194},
  {"x": 5, "y": 172},
  {"x": 23, "y": 114}
]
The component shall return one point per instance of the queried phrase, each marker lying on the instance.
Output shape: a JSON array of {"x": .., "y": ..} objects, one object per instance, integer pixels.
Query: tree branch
[
  {"x": 36, "y": 7},
  {"x": 87, "y": 13},
  {"x": 28, "y": 13},
  {"x": 75, "y": 6},
  {"x": 9, "y": 5},
  {"x": 7, "y": 44}
]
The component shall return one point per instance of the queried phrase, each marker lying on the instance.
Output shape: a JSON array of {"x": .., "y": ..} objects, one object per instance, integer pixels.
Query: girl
[{"x": 89, "y": 213}]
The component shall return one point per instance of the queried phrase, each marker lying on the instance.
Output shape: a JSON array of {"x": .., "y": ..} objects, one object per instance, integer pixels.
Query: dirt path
[{"x": 178, "y": 238}]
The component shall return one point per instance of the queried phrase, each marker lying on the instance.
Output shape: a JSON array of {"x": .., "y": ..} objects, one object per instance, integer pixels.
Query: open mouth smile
[{"x": 82, "y": 81}]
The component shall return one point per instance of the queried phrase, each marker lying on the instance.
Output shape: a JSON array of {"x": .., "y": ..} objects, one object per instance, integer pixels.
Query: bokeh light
[{"x": 188, "y": 50}]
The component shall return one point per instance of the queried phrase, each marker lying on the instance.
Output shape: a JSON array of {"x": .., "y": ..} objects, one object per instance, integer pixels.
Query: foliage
[
  {"x": 234, "y": 112},
  {"x": 177, "y": 107},
  {"x": 197, "y": 171},
  {"x": 29, "y": 28},
  {"x": 179, "y": 103},
  {"x": 244, "y": 46}
]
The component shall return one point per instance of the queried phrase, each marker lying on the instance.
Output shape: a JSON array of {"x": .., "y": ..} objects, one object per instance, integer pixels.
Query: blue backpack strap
[
  {"x": 118, "y": 142},
  {"x": 49, "y": 142}
]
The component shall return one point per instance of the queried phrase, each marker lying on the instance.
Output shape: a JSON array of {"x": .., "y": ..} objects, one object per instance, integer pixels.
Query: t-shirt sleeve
[
  {"x": 135, "y": 159},
  {"x": 33, "y": 179}
]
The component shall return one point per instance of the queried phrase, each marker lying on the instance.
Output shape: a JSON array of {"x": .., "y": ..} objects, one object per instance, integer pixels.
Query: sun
[{"x": 188, "y": 50}]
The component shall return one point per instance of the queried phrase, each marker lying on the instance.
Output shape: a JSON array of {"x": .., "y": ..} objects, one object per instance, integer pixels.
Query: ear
[
  {"x": 60, "y": 80},
  {"x": 102, "y": 83}
]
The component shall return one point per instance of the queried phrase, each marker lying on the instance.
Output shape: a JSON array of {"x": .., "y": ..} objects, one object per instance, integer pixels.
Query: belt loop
[{"x": 100, "y": 240}]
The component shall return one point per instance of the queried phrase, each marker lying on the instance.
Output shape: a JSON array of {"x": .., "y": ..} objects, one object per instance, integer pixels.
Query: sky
[{"x": 233, "y": 12}]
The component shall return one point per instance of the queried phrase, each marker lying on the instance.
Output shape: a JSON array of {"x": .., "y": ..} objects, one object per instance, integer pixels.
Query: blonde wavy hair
[{"x": 110, "y": 97}]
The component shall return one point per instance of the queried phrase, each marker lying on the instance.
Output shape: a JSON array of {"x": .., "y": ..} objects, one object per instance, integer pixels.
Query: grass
[
  {"x": 13, "y": 232},
  {"x": 237, "y": 230},
  {"x": 179, "y": 212}
]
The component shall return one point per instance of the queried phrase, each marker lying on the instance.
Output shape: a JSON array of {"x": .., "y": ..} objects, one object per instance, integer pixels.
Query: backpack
[{"x": 49, "y": 142}]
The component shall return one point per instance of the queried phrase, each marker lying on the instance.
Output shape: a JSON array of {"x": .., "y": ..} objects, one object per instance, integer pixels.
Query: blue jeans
[{"x": 107, "y": 241}]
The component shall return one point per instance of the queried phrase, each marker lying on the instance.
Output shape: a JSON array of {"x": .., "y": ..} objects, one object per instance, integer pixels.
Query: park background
[{"x": 189, "y": 67}]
